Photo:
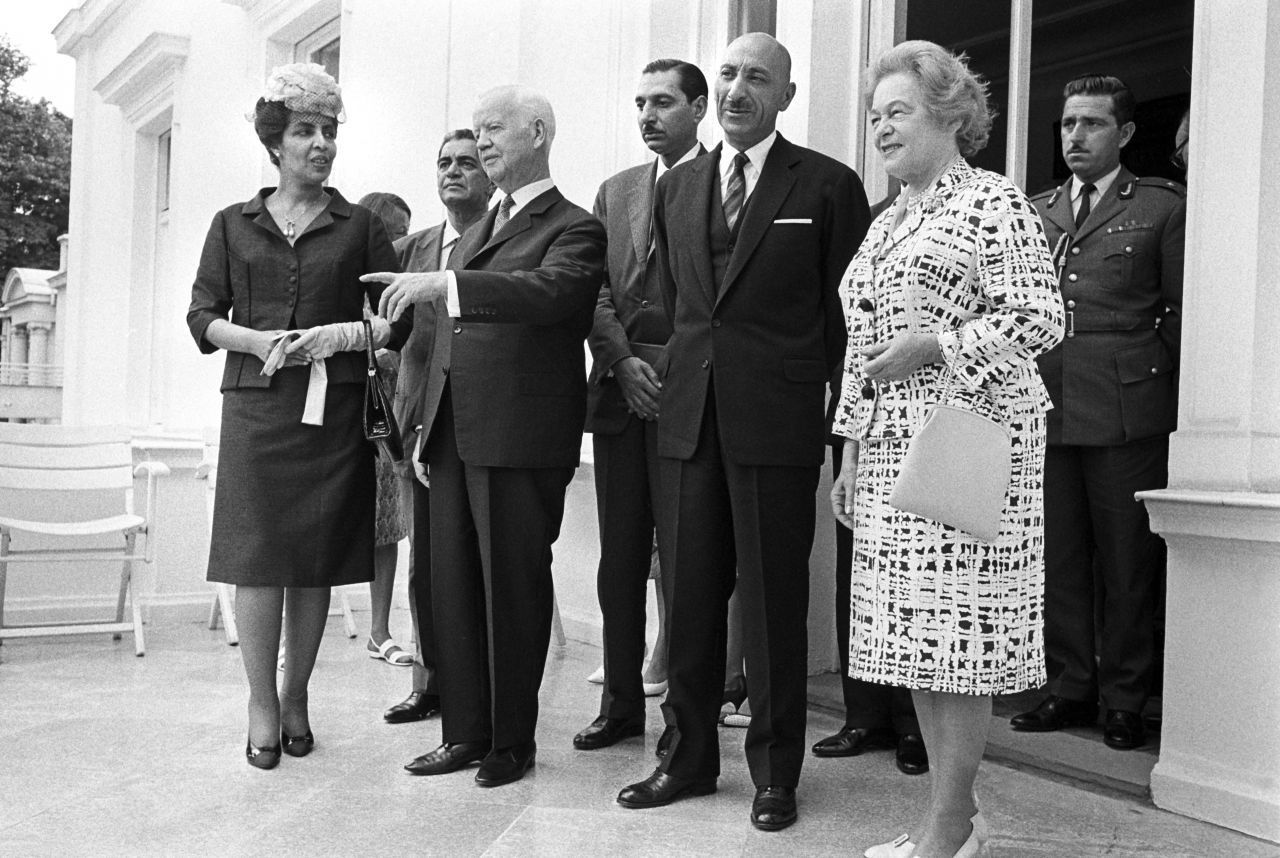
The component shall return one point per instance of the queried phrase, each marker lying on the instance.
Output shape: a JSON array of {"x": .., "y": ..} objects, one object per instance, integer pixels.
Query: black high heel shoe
[
  {"x": 261, "y": 758},
  {"x": 297, "y": 746}
]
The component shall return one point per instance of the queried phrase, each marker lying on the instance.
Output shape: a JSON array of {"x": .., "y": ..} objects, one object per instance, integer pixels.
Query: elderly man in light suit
[
  {"x": 465, "y": 191},
  {"x": 631, "y": 328}
]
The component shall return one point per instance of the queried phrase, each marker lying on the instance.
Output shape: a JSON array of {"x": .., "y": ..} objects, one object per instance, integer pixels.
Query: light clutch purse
[{"x": 956, "y": 471}]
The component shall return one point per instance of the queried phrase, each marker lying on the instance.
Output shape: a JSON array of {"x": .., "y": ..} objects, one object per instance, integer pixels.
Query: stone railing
[{"x": 31, "y": 374}]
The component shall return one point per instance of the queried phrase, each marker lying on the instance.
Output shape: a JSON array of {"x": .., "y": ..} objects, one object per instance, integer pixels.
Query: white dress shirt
[
  {"x": 686, "y": 157},
  {"x": 756, "y": 156},
  {"x": 1100, "y": 189}
]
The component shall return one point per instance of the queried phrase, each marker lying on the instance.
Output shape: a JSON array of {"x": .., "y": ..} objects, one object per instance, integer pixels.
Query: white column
[
  {"x": 18, "y": 354},
  {"x": 37, "y": 351},
  {"x": 1220, "y": 739}
]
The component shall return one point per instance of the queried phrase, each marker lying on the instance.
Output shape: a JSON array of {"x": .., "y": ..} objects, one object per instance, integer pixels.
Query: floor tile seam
[{"x": 514, "y": 822}]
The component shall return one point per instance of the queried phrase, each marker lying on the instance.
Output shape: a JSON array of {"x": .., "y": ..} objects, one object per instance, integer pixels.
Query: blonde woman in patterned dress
[{"x": 952, "y": 288}]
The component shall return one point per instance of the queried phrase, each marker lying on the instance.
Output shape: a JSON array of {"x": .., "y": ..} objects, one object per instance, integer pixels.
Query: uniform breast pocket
[{"x": 1126, "y": 256}]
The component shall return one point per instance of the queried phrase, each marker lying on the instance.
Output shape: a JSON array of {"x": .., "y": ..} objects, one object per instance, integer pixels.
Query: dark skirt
[{"x": 294, "y": 505}]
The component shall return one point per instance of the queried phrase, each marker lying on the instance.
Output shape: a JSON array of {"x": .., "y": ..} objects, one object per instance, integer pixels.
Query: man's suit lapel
[
  {"x": 640, "y": 211},
  {"x": 522, "y": 222},
  {"x": 1108, "y": 207},
  {"x": 693, "y": 211},
  {"x": 772, "y": 188}
]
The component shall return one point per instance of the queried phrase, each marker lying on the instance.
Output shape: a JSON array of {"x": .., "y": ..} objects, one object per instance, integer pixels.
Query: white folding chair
[
  {"x": 74, "y": 468},
  {"x": 223, "y": 605}
]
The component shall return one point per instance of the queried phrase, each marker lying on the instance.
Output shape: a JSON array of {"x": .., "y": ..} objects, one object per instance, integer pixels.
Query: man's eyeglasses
[{"x": 1179, "y": 156}]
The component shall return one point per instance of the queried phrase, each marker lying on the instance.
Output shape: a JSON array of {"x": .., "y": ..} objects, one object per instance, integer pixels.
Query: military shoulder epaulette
[
  {"x": 1051, "y": 193},
  {"x": 1168, "y": 184}
]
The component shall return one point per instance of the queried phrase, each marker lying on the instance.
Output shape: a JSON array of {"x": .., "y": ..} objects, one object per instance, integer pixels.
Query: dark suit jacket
[
  {"x": 1114, "y": 377},
  {"x": 514, "y": 360},
  {"x": 418, "y": 252},
  {"x": 630, "y": 319},
  {"x": 773, "y": 335}
]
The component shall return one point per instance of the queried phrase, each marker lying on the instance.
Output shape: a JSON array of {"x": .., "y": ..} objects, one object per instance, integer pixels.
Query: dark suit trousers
[
  {"x": 753, "y": 523},
  {"x": 1101, "y": 560},
  {"x": 491, "y": 588},
  {"x": 626, "y": 471},
  {"x": 867, "y": 705},
  {"x": 420, "y": 580}
]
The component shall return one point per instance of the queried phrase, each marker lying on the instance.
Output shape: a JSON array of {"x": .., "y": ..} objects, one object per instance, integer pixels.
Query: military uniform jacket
[{"x": 1114, "y": 378}]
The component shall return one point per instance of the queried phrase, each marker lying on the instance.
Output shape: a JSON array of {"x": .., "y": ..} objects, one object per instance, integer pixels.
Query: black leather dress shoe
[
  {"x": 664, "y": 741},
  {"x": 415, "y": 707},
  {"x": 1124, "y": 730},
  {"x": 661, "y": 788},
  {"x": 774, "y": 808},
  {"x": 911, "y": 756},
  {"x": 851, "y": 741},
  {"x": 448, "y": 758},
  {"x": 603, "y": 732},
  {"x": 506, "y": 765},
  {"x": 1054, "y": 714}
]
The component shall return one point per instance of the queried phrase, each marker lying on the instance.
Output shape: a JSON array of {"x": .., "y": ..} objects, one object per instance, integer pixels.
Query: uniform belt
[{"x": 1094, "y": 321}]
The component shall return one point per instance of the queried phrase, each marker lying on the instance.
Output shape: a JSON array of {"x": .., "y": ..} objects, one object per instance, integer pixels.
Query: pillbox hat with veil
[{"x": 306, "y": 90}]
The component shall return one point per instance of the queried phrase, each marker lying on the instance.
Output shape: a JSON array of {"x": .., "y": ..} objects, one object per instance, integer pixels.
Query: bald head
[
  {"x": 514, "y": 128},
  {"x": 753, "y": 85}
]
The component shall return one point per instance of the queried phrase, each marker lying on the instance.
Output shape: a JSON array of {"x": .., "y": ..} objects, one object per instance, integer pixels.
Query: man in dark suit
[
  {"x": 1118, "y": 244},
  {"x": 503, "y": 421},
  {"x": 629, "y": 333},
  {"x": 465, "y": 190},
  {"x": 752, "y": 242}
]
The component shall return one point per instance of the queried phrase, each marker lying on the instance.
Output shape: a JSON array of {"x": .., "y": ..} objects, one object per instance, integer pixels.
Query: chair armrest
[{"x": 152, "y": 470}]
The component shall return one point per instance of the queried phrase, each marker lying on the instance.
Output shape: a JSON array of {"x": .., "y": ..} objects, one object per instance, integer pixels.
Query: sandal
[{"x": 390, "y": 652}]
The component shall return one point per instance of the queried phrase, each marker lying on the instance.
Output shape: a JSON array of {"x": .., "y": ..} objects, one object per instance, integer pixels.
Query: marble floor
[{"x": 102, "y": 753}]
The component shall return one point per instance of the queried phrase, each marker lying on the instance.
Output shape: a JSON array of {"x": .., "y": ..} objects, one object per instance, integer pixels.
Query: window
[
  {"x": 323, "y": 47},
  {"x": 163, "y": 159}
]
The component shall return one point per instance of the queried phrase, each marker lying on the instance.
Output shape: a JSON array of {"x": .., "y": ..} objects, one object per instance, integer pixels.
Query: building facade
[{"x": 161, "y": 143}]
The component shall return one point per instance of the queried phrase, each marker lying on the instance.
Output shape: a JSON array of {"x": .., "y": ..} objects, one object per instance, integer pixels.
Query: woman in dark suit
[{"x": 294, "y": 512}]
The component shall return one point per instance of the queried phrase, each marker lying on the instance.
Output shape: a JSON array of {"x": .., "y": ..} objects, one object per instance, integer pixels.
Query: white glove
[{"x": 324, "y": 341}]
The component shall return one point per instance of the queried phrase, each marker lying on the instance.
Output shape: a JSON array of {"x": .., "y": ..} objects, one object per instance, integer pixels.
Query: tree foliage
[{"x": 35, "y": 171}]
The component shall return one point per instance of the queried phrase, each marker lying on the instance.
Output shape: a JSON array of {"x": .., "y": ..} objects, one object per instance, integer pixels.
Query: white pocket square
[{"x": 794, "y": 220}]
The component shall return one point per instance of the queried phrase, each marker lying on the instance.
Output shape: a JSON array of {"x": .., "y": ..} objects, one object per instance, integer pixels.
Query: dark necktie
[
  {"x": 1086, "y": 193},
  {"x": 737, "y": 191},
  {"x": 504, "y": 214}
]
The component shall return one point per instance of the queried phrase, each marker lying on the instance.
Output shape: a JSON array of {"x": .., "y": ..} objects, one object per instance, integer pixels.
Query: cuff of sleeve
[
  {"x": 949, "y": 346},
  {"x": 451, "y": 302}
]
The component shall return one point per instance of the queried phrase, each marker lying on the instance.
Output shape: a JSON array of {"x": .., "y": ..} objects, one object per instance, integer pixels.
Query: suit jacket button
[
  {"x": 1071, "y": 305},
  {"x": 706, "y": 363},
  {"x": 715, "y": 323},
  {"x": 1074, "y": 251},
  {"x": 1155, "y": 371},
  {"x": 457, "y": 329},
  {"x": 644, "y": 303},
  {"x": 1073, "y": 277}
]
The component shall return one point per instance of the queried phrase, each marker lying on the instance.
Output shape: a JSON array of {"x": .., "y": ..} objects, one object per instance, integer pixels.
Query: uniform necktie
[
  {"x": 1082, "y": 214},
  {"x": 504, "y": 213},
  {"x": 736, "y": 192}
]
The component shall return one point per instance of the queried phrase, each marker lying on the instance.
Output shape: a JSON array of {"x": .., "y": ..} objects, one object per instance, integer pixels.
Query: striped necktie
[
  {"x": 504, "y": 214},
  {"x": 737, "y": 191}
]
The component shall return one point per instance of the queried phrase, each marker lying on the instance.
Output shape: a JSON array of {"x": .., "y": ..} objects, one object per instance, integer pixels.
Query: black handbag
[{"x": 379, "y": 423}]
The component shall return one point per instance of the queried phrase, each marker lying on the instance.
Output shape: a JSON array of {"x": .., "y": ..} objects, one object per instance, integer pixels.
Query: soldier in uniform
[{"x": 1118, "y": 245}]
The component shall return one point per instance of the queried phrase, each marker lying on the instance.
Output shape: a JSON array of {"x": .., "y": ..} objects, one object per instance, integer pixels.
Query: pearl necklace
[{"x": 291, "y": 218}]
